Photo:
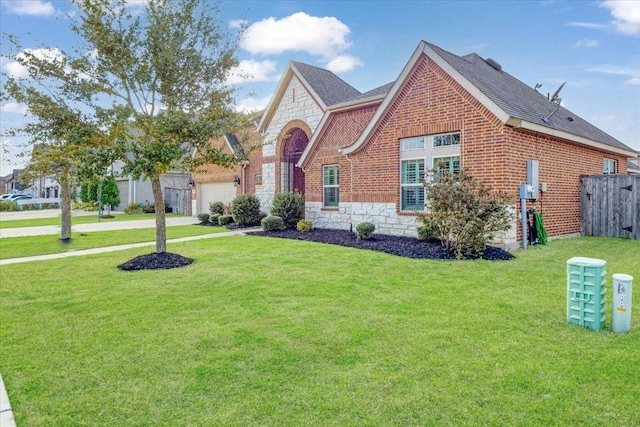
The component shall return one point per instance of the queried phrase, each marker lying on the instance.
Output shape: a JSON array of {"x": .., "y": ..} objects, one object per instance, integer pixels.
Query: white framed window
[
  {"x": 449, "y": 164},
  {"x": 446, "y": 140},
  {"x": 417, "y": 155},
  {"x": 411, "y": 188},
  {"x": 609, "y": 166},
  {"x": 409, "y": 144},
  {"x": 330, "y": 186}
]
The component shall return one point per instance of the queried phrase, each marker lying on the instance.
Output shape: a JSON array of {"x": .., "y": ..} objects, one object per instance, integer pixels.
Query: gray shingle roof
[
  {"x": 379, "y": 91},
  {"x": 329, "y": 87},
  {"x": 521, "y": 101}
]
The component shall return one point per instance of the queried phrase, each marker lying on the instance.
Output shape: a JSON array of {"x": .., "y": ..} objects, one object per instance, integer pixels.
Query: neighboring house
[
  {"x": 215, "y": 183},
  {"x": 176, "y": 187},
  {"x": 361, "y": 156},
  {"x": 633, "y": 165},
  {"x": 11, "y": 184}
]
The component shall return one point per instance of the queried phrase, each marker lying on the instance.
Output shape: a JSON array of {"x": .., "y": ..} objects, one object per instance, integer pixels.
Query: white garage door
[{"x": 214, "y": 192}]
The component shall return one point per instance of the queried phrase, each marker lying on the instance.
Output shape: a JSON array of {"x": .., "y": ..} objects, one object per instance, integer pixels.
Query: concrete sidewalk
[
  {"x": 121, "y": 247},
  {"x": 104, "y": 225}
]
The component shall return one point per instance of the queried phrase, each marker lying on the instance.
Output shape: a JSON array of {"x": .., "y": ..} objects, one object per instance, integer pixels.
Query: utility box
[
  {"x": 621, "y": 317},
  {"x": 586, "y": 289}
]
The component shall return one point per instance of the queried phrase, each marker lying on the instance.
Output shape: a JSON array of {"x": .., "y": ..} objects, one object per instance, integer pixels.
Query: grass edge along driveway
[{"x": 265, "y": 331}]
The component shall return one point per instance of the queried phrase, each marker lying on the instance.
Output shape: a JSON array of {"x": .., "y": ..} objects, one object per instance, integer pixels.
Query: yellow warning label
[{"x": 622, "y": 309}]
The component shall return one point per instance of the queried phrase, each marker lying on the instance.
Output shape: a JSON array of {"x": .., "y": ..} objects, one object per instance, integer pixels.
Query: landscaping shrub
[
  {"x": 203, "y": 217},
  {"x": 465, "y": 213},
  {"x": 304, "y": 225},
  {"x": 149, "y": 208},
  {"x": 225, "y": 219},
  {"x": 213, "y": 219},
  {"x": 428, "y": 231},
  {"x": 365, "y": 230},
  {"x": 245, "y": 210},
  {"x": 289, "y": 205},
  {"x": 133, "y": 208},
  {"x": 8, "y": 206},
  {"x": 272, "y": 223},
  {"x": 217, "y": 208}
]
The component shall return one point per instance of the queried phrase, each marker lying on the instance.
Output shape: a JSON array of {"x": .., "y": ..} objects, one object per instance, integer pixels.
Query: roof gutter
[{"x": 523, "y": 124}]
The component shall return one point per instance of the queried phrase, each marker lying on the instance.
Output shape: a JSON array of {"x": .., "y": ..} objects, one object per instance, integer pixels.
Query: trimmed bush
[
  {"x": 133, "y": 208},
  {"x": 213, "y": 218},
  {"x": 245, "y": 210},
  {"x": 149, "y": 208},
  {"x": 289, "y": 205},
  {"x": 428, "y": 232},
  {"x": 225, "y": 219},
  {"x": 203, "y": 217},
  {"x": 216, "y": 208},
  {"x": 464, "y": 213},
  {"x": 272, "y": 223},
  {"x": 304, "y": 225},
  {"x": 8, "y": 206},
  {"x": 365, "y": 230}
]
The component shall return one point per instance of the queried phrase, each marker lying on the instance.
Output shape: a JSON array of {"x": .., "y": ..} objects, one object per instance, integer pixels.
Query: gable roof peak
[{"x": 329, "y": 87}]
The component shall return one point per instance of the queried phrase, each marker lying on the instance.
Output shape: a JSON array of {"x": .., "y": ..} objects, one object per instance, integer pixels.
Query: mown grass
[
  {"x": 75, "y": 219},
  {"x": 17, "y": 247},
  {"x": 263, "y": 331}
]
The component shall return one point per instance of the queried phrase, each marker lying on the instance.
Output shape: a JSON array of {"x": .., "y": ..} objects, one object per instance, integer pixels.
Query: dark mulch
[
  {"x": 409, "y": 247},
  {"x": 155, "y": 261}
]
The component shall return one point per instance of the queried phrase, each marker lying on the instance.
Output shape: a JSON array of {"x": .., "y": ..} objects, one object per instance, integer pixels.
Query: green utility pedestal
[{"x": 586, "y": 288}]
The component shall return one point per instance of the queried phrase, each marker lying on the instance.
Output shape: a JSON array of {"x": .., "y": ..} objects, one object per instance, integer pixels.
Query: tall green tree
[
  {"x": 58, "y": 135},
  {"x": 161, "y": 75},
  {"x": 154, "y": 82}
]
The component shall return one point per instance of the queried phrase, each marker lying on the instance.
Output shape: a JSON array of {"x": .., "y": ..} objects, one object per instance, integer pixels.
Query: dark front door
[{"x": 292, "y": 175}]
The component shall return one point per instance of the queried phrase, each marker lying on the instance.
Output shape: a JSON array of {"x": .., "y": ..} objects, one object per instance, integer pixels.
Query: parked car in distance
[{"x": 14, "y": 197}]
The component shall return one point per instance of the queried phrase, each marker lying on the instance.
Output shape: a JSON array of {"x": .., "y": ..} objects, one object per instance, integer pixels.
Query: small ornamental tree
[
  {"x": 464, "y": 213},
  {"x": 110, "y": 193}
]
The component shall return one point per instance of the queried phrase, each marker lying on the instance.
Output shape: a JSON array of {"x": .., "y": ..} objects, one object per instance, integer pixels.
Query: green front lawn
[
  {"x": 279, "y": 332},
  {"x": 17, "y": 247}
]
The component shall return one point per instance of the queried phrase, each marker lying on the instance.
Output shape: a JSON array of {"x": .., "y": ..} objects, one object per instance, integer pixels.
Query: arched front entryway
[{"x": 292, "y": 175}]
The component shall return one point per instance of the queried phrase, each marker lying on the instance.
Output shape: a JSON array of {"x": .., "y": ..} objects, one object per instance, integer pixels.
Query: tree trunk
[
  {"x": 65, "y": 206},
  {"x": 161, "y": 224}
]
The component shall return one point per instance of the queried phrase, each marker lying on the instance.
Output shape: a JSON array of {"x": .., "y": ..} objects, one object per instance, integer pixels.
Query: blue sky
[{"x": 592, "y": 45}]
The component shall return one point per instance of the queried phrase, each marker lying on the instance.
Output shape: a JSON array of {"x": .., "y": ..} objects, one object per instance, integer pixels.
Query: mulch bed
[
  {"x": 155, "y": 261},
  {"x": 409, "y": 247}
]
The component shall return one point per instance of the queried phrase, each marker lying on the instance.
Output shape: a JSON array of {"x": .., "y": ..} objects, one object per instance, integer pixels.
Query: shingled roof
[
  {"x": 521, "y": 101},
  {"x": 330, "y": 88}
]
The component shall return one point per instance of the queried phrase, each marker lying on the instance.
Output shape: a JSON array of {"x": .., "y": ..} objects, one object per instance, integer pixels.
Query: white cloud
[
  {"x": 253, "y": 71},
  {"x": 14, "y": 107},
  {"x": 619, "y": 71},
  {"x": 326, "y": 36},
  {"x": 587, "y": 43},
  {"x": 626, "y": 15},
  {"x": 17, "y": 70},
  {"x": 250, "y": 104},
  {"x": 30, "y": 7},
  {"x": 343, "y": 63},
  {"x": 590, "y": 25},
  {"x": 237, "y": 23}
]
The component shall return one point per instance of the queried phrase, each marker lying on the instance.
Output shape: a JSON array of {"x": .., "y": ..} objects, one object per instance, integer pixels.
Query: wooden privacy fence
[{"x": 610, "y": 206}]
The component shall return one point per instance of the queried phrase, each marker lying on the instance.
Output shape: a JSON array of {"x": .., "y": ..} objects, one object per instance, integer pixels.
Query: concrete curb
[{"x": 6, "y": 413}]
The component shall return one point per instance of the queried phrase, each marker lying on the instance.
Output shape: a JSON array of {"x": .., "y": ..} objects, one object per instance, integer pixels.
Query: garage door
[{"x": 214, "y": 192}]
